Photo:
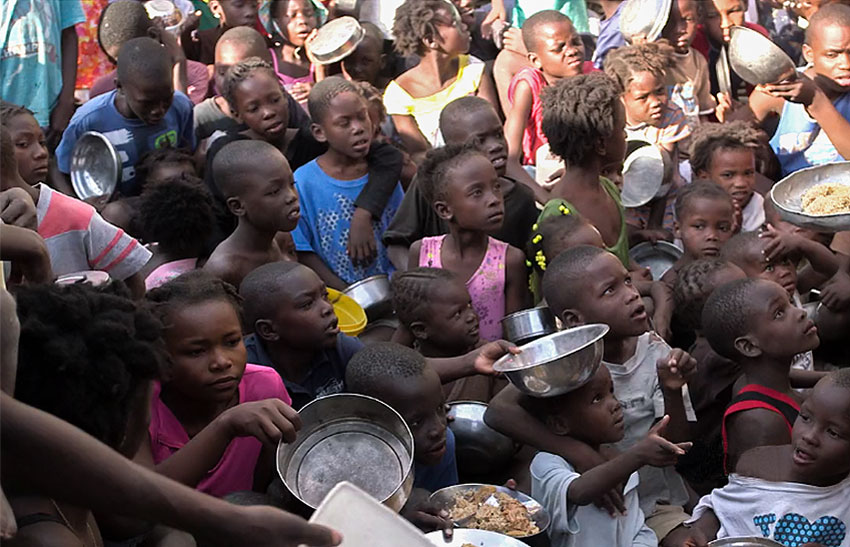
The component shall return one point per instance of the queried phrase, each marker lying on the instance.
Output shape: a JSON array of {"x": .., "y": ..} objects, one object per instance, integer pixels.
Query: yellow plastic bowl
[{"x": 352, "y": 318}]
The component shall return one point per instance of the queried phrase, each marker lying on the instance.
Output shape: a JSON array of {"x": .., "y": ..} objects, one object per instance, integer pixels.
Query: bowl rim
[
  {"x": 537, "y": 310},
  {"x": 743, "y": 30},
  {"x": 800, "y": 212},
  {"x": 364, "y": 281},
  {"x": 75, "y": 173},
  {"x": 499, "y": 365}
]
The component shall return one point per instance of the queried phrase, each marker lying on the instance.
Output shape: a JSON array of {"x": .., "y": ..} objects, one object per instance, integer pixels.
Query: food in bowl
[
  {"x": 826, "y": 199},
  {"x": 488, "y": 509}
]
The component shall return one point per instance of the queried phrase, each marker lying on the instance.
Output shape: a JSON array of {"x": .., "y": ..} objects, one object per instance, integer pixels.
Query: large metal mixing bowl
[
  {"x": 644, "y": 18},
  {"x": 757, "y": 59},
  {"x": 788, "y": 192},
  {"x": 374, "y": 296},
  {"x": 658, "y": 257},
  {"x": 555, "y": 364},
  {"x": 479, "y": 449}
]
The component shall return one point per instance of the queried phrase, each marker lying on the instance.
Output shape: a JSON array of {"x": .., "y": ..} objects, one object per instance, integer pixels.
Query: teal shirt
[{"x": 576, "y": 10}]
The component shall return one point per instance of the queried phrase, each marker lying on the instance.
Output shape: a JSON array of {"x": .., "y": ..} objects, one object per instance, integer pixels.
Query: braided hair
[
  {"x": 413, "y": 289},
  {"x": 190, "y": 288},
  {"x": 433, "y": 173},
  {"x": 10, "y": 110},
  {"x": 694, "y": 285}
]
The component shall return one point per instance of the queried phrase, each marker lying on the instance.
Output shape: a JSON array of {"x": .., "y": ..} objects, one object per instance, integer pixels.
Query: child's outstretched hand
[
  {"x": 268, "y": 421},
  {"x": 801, "y": 89},
  {"x": 362, "y": 247},
  {"x": 780, "y": 244},
  {"x": 657, "y": 451},
  {"x": 674, "y": 371},
  {"x": 424, "y": 515},
  {"x": 835, "y": 293},
  {"x": 489, "y": 353}
]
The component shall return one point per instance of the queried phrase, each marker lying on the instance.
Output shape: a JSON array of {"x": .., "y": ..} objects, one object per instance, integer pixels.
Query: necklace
[{"x": 68, "y": 524}]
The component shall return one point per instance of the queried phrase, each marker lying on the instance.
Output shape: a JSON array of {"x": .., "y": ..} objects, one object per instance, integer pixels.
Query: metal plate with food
[
  {"x": 756, "y": 59},
  {"x": 557, "y": 363},
  {"x": 479, "y": 449},
  {"x": 643, "y": 173},
  {"x": 464, "y": 537},
  {"x": 493, "y": 508},
  {"x": 658, "y": 257},
  {"x": 348, "y": 437},
  {"x": 95, "y": 166},
  {"x": 336, "y": 40},
  {"x": 817, "y": 197},
  {"x": 744, "y": 542}
]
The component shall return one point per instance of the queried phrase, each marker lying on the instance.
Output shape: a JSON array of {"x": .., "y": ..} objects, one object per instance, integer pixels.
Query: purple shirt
[{"x": 610, "y": 37}]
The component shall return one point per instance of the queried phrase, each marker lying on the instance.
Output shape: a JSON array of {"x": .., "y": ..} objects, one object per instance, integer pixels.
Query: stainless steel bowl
[
  {"x": 95, "y": 166},
  {"x": 658, "y": 257},
  {"x": 644, "y": 18},
  {"x": 744, "y": 542},
  {"x": 524, "y": 326},
  {"x": 557, "y": 363},
  {"x": 479, "y": 449},
  {"x": 478, "y": 538},
  {"x": 374, "y": 296},
  {"x": 348, "y": 437},
  {"x": 445, "y": 497},
  {"x": 757, "y": 59},
  {"x": 643, "y": 173},
  {"x": 787, "y": 193},
  {"x": 336, "y": 40}
]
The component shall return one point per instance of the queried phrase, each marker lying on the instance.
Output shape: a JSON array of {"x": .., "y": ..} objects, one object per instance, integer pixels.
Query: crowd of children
[{"x": 161, "y": 339}]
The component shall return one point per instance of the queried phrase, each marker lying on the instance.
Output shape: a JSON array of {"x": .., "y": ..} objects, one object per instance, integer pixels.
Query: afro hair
[
  {"x": 713, "y": 136},
  {"x": 178, "y": 214},
  {"x": 623, "y": 63}
]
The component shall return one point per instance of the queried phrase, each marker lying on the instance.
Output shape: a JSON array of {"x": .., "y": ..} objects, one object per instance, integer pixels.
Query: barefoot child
[{"x": 464, "y": 190}]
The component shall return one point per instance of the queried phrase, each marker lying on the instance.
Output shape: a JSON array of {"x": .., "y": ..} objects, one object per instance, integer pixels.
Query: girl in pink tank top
[{"x": 462, "y": 186}]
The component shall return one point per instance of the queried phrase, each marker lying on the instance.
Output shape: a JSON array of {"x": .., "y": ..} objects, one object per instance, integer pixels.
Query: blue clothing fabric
[
  {"x": 131, "y": 137},
  {"x": 327, "y": 205},
  {"x": 609, "y": 38},
  {"x": 327, "y": 371},
  {"x": 441, "y": 475},
  {"x": 31, "y": 58},
  {"x": 799, "y": 141}
]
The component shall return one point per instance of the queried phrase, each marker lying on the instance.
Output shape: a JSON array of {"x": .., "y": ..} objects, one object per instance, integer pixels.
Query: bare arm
[
  {"x": 27, "y": 251},
  {"x": 415, "y": 142},
  {"x": 312, "y": 261},
  {"x": 64, "y": 108},
  {"x": 517, "y": 120},
  {"x": 517, "y": 296},
  {"x": 753, "y": 428},
  {"x": 487, "y": 90}
]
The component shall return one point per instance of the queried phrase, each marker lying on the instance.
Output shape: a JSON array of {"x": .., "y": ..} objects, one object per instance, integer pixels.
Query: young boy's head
[
  {"x": 695, "y": 283},
  {"x": 257, "y": 185},
  {"x": 590, "y": 413},
  {"x": 590, "y": 285},
  {"x": 584, "y": 120},
  {"x": 145, "y": 79},
  {"x": 165, "y": 163},
  {"x": 473, "y": 120},
  {"x": 28, "y": 140},
  {"x": 286, "y": 304},
  {"x": 340, "y": 117},
  {"x": 681, "y": 25},
  {"x": 235, "y": 13},
  {"x": 755, "y": 319},
  {"x": 435, "y": 306},
  {"x": 121, "y": 21},
  {"x": 746, "y": 250},
  {"x": 640, "y": 71},
  {"x": 367, "y": 60},
  {"x": 719, "y": 16},
  {"x": 820, "y": 439},
  {"x": 178, "y": 215},
  {"x": 237, "y": 44},
  {"x": 554, "y": 47},
  {"x": 705, "y": 216},
  {"x": 827, "y": 47},
  {"x": 400, "y": 377},
  {"x": 555, "y": 234},
  {"x": 421, "y": 26},
  {"x": 257, "y": 99},
  {"x": 726, "y": 155}
]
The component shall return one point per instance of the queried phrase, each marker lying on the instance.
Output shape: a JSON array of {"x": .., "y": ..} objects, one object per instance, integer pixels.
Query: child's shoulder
[
  {"x": 261, "y": 382},
  {"x": 95, "y": 109}
]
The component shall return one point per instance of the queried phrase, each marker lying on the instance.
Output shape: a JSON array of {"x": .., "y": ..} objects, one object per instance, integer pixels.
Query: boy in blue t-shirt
[
  {"x": 142, "y": 114},
  {"x": 329, "y": 185}
]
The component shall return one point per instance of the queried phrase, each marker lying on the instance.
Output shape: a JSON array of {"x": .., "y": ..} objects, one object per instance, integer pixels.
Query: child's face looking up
[
  {"x": 821, "y": 436},
  {"x": 644, "y": 99},
  {"x": 829, "y": 53},
  {"x": 474, "y": 199},
  {"x": 298, "y": 21},
  {"x": 782, "y": 272},
  {"x": 304, "y": 317},
  {"x": 149, "y": 101},
  {"x": 365, "y": 63},
  {"x": 235, "y": 13},
  {"x": 706, "y": 224},
  {"x": 592, "y": 412},
  {"x": 421, "y": 403},
  {"x": 204, "y": 342},
  {"x": 483, "y": 128},
  {"x": 452, "y": 35},
  {"x": 721, "y": 16},
  {"x": 778, "y": 328},
  {"x": 268, "y": 198},
  {"x": 346, "y": 127},
  {"x": 559, "y": 52},
  {"x": 30, "y": 147},
  {"x": 734, "y": 170},
  {"x": 451, "y": 323},
  {"x": 262, "y": 106},
  {"x": 681, "y": 25}
]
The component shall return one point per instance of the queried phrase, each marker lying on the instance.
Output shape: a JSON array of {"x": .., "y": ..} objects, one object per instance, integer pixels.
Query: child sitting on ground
[
  {"x": 176, "y": 217},
  {"x": 294, "y": 330},
  {"x": 754, "y": 323},
  {"x": 586, "y": 285},
  {"x": 467, "y": 120},
  {"x": 214, "y": 414},
  {"x": 725, "y": 154},
  {"x": 77, "y": 238},
  {"x": 329, "y": 185},
  {"x": 258, "y": 187},
  {"x": 295, "y": 22},
  {"x": 142, "y": 114},
  {"x": 433, "y": 30},
  {"x": 464, "y": 190},
  {"x": 814, "y": 108},
  {"x": 591, "y": 414},
  {"x": 795, "y": 494},
  {"x": 555, "y": 51},
  {"x": 200, "y": 46}
]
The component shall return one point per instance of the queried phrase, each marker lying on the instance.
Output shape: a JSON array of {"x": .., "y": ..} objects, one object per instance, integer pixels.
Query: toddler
[
  {"x": 213, "y": 414},
  {"x": 295, "y": 22},
  {"x": 464, "y": 190},
  {"x": 200, "y": 45},
  {"x": 555, "y": 51}
]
